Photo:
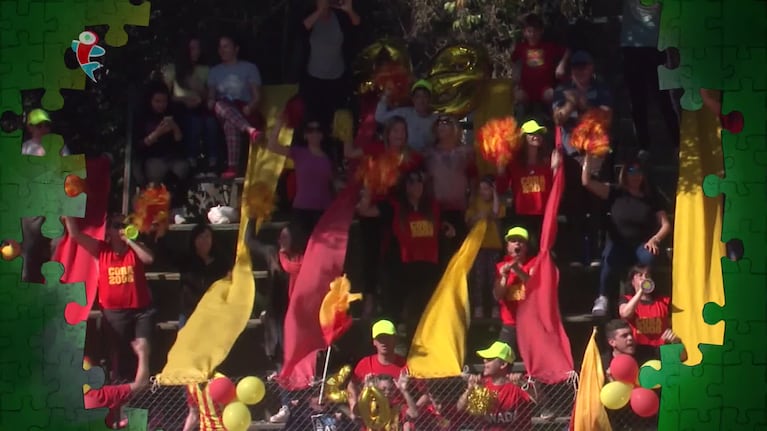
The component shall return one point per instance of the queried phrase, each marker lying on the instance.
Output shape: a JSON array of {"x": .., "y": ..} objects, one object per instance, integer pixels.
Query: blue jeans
[
  {"x": 617, "y": 258},
  {"x": 197, "y": 126}
]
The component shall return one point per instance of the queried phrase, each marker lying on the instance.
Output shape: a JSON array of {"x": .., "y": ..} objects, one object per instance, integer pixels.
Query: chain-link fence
[{"x": 169, "y": 406}]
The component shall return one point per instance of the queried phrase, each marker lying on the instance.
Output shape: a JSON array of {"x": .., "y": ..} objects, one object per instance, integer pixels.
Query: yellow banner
[
  {"x": 589, "y": 413},
  {"x": 698, "y": 250},
  {"x": 439, "y": 344}
]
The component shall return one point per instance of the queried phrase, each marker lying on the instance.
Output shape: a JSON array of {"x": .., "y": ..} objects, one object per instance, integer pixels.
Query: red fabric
[
  {"x": 107, "y": 396},
  {"x": 544, "y": 343},
  {"x": 255, "y": 119},
  {"x": 122, "y": 282},
  {"x": 79, "y": 265},
  {"x": 513, "y": 410},
  {"x": 531, "y": 186},
  {"x": 371, "y": 365},
  {"x": 515, "y": 291},
  {"x": 210, "y": 413},
  {"x": 539, "y": 63},
  {"x": 325, "y": 255},
  {"x": 418, "y": 236},
  {"x": 650, "y": 320},
  {"x": 292, "y": 267},
  {"x": 342, "y": 321}
]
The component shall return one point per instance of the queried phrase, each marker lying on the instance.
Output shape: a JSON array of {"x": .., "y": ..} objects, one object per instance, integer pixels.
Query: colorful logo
[{"x": 85, "y": 48}]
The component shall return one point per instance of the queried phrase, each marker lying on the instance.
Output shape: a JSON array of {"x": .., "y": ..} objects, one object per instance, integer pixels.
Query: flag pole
[{"x": 324, "y": 374}]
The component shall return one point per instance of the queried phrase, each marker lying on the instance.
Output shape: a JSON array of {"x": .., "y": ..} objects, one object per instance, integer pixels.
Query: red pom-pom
[
  {"x": 395, "y": 78},
  {"x": 222, "y": 391},
  {"x": 293, "y": 114},
  {"x": 592, "y": 134},
  {"x": 499, "y": 140},
  {"x": 379, "y": 174},
  {"x": 151, "y": 207}
]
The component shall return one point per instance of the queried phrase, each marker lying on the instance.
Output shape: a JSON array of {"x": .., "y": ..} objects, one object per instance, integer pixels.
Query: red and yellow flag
[{"x": 334, "y": 317}]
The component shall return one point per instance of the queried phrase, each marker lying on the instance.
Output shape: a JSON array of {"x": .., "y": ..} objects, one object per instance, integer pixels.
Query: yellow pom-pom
[{"x": 481, "y": 401}]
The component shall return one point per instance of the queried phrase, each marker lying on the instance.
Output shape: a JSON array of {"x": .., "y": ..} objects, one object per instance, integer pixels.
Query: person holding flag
[
  {"x": 511, "y": 274},
  {"x": 513, "y": 407}
]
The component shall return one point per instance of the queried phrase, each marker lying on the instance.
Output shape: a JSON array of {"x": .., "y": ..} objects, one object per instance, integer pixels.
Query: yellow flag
[
  {"x": 589, "y": 413},
  {"x": 439, "y": 344},
  {"x": 223, "y": 312},
  {"x": 698, "y": 249}
]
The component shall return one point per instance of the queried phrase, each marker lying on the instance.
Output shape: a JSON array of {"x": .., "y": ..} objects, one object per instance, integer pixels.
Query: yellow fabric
[
  {"x": 337, "y": 301},
  {"x": 198, "y": 81},
  {"x": 492, "y": 235},
  {"x": 223, "y": 312},
  {"x": 439, "y": 344},
  {"x": 589, "y": 413},
  {"x": 497, "y": 101},
  {"x": 698, "y": 250}
]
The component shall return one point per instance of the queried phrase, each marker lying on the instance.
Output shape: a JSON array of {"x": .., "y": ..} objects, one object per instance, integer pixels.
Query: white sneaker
[
  {"x": 281, "y": 417},
  {"x": 600, "y": 306}
]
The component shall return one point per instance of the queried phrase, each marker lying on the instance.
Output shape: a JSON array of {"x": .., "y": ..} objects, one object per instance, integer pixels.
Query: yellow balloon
[
  {"x": 251, "y": 390},
  {"x": 654, "y": 364},
  {"x": 615, "y": 395},
  {"x": 236, "y": 416}
]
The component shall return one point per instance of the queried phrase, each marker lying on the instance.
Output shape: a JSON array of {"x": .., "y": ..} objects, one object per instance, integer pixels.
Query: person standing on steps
[
  {"x": 635, "y": 229},
  {"x": 124, "y": 296},
  {"x": 420, "y": 117},
  {"x": 234, "y": 92}
]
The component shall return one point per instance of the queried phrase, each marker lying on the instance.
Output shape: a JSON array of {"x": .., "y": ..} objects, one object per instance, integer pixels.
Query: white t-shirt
[
  {"x": 33, "y": 147},
  {"x": 419, "y": 128}
]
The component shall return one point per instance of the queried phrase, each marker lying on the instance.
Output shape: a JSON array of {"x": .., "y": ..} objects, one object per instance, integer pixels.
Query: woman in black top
[
  {"x": 635, "y": 229},
  {"x": 199, "y": 270}
]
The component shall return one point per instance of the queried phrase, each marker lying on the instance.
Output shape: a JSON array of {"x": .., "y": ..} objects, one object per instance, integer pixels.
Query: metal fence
[{"x": 168, "y": 408}]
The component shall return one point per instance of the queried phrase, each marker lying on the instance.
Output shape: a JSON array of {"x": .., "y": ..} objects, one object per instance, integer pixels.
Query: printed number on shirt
[
  {"x": 421, "y": 229},
  {"x": 649, "y": 326},
  {"x": 516, "y": 292},
  {"x": 535, "y": 58},
  {"x": 533, "y": 184},
  {"x": 120, "y": 275}
]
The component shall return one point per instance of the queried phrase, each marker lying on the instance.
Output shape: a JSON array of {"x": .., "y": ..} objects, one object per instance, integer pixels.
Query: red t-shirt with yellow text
[
  {"x": 539, "y": 63},
  {"x": 515, "y": 291},
  {"x": 650, "y": 320},
  {"x": 122, "y": 281},
  {"x": 417, "y": 234},
  {"x": 513, "y": 409},
  {"x": 531, "y": 186}
]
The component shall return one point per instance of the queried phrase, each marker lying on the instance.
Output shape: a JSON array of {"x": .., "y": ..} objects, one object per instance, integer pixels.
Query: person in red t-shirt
[
  {"x": 511, "y": 274},
  {"x": 384, "y": 361},
  {"x": 648, "y": 314},
  {"x": 416, "y": 225},
  {"x": 113, "y": 397},
  {"x": 530, "y": 176},
  {"x": 541, "y": 62},
  {"x": 513, "y": 407},
  {"x": 123, "y": 293}
]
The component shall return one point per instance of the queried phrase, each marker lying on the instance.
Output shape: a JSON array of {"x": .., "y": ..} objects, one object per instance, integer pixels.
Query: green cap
[
  {"x": 499, "y": 350},
  {"x": 421, "y": 83},
  {"x": 518, "y": 232},
  {"x": 531, "y": 127},
  {"x": 37, "y": 116},
  {"x": 383, "y": 327}
]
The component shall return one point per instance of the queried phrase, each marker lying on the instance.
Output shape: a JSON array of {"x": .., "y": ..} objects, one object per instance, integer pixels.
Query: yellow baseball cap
[
  {"x": 499, "y": 350},
  {"x": 531, "y": 127},
  {"x": 383, "y": 327},
  {"x": 518, "y": 232},
  {"x": 37, "y": 116},
  {"x": 421, "y": 83}
]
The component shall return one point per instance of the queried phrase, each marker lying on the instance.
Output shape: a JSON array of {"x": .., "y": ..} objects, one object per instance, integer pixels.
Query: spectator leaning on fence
[
  {"x": 513, "y": 407},
  {"x": 620, "y": 338}
]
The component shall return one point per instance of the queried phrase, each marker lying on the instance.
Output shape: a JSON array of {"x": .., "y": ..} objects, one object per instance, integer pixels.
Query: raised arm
[
  {"x": 83, "y": 240},
  {"x": 143, "y": 252},
  {"x": 273, "y": 140},
  {"x": 599, "y": 189},
  {"x": 322, "y": 7},
  {"x": 627, "y": 310}
]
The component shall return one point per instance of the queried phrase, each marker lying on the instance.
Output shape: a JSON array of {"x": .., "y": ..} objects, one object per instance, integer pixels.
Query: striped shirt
[{"x": 210, "y": 412}]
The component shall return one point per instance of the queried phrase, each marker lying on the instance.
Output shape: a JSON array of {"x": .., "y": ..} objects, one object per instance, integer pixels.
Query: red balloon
[
  {"x": 644, "y": 402},
  {"x": 222, "y": 391},
  {"x": 624, "y": 369}
]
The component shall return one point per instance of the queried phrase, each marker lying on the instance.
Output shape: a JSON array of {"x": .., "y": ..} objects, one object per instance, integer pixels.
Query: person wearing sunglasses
[
  {"x": 314, "y": 172},
  {"x": 635, "y": 228},
  {"x": 123, "y": 292}
]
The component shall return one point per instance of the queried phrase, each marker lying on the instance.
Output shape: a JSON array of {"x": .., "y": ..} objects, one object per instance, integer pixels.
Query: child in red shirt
[
  {"x": 541, "y": 62},
  {"x": 204, "y": 414},
  {"x": 512, "y": 273},
  {"x": 513, "y": 407},
  {"x": 648, "y": 315}
]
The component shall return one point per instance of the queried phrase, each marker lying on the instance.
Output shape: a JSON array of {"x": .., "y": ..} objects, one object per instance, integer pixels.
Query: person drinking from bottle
[
  {"x": 648, "y": 314},
  {"x": 123, "y": 292},
  {"x": 511, "y": 274}
]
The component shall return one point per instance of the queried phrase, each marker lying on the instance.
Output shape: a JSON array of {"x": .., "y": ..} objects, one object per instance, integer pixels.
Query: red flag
[
  {"x": 322, "y": 263},
  {"x": 544, "y": 344},
  {"x": 79, "y": 265}
]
